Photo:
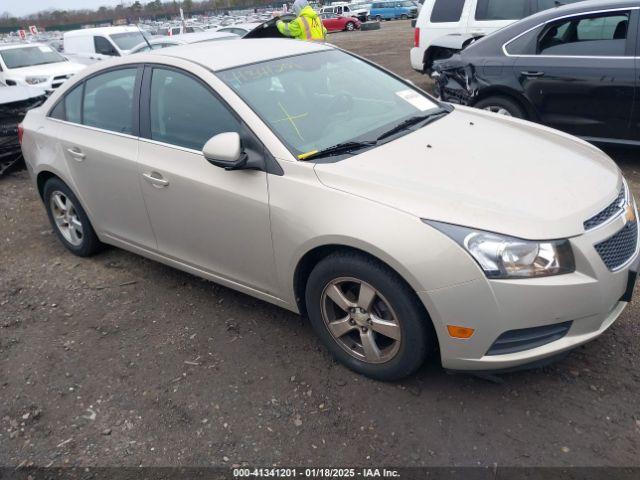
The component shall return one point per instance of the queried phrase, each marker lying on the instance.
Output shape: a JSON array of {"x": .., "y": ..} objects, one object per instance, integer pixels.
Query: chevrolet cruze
[{"x": 315, "y": 180}]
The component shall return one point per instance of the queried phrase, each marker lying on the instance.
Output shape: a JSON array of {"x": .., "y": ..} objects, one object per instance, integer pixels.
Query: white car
[
  {"x": 309, "y": 178},
  {"x": 35, "y": 64},
  {"x": 102, "y": 43},
  {"x": 172, "y": 41},
  {"x": 240, "y": 29},
  {"x": 444, "y": 27}
]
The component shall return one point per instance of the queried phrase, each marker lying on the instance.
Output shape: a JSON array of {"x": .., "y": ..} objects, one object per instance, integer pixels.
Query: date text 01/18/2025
[{"x": 283, "y": 472}]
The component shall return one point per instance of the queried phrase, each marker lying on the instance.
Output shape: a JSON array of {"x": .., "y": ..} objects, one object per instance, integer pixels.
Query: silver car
[{"x": 315, "y": 180}]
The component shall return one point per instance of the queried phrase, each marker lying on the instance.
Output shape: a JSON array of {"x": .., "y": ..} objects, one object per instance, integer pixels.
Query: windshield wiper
[
  {"x": 410, "y": 122},
  {"x": 346, "y": 147}
]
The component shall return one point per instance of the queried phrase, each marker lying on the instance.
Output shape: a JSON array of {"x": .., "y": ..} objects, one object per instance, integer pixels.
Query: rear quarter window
[
  {"x": 447, "y": 11},
  {"x": 501, "y": 9}
]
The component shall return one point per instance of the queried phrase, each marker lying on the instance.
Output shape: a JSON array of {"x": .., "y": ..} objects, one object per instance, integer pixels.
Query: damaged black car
[
  {"x": 14, "y": 103},
  {"x": 573, "y": 68}
]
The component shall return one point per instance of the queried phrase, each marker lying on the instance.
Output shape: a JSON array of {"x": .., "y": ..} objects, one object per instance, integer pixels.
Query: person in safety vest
[{"x": 306, "y": 26}]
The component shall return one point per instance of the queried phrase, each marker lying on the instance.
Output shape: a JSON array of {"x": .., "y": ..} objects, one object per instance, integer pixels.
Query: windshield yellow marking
[
  {"x": 304, "y": 156},
  {"x": 291, "y": 119}
]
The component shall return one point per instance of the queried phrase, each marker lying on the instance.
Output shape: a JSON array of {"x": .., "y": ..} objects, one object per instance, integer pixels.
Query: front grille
[
  {"x": 615, "y": 207},
  {"x": 618, "y": 249},
  {"x": 526, "y": 338}
]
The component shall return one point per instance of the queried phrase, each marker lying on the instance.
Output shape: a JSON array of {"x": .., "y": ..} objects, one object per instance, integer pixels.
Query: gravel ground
[{"x": 118, "y": 360}]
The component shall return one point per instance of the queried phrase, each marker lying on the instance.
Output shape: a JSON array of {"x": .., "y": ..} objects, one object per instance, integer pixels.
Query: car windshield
[
  {"x": 319, "y": 100},
  {"x": 128, "y": 40},
  {"x": 29, "y": 56}
]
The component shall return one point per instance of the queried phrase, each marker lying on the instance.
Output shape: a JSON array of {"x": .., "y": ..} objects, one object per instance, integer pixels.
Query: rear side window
[
  {"x": 447, "y": 11},
  {"x": 501, "y": 9},
  {"x": 108, "y": 101},
  {"x": 546, "y": 4},
  {"x": 69, "y": 107},
  {"x": 184, "y": 112},
  {"x": 602, "y": 34}
]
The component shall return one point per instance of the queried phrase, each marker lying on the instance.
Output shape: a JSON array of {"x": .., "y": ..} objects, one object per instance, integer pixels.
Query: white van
[
  {"x": 102, "y": 42},
  {"x": 445, "y": 27}
]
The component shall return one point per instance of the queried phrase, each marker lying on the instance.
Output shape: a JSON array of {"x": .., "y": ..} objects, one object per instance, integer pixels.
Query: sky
[{"x": 25, "y": 7}]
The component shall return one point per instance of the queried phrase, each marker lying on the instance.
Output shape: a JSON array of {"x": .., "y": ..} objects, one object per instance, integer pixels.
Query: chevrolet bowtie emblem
[{"x": 629, "y": 214}]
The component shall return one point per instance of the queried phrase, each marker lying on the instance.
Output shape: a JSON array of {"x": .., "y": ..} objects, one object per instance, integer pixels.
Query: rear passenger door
[
  {"x": 204, "y": 216},
  {"x": 99, "y": 140}
]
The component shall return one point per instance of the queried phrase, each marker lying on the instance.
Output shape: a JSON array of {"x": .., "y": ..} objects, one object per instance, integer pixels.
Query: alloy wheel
[
  {"x": 498, "y": 109},
  {"x": 66, "y": 218},
  {"x": 350, "y": 26},
  {"x": 361, "y": 320}
]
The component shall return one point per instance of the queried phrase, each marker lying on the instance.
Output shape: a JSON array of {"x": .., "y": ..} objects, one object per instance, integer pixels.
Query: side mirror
[{"x": 225, "y": 151}]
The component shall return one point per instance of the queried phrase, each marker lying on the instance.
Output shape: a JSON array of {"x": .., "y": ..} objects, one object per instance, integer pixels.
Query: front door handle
[
  {"x": 155, "y": 179},
  {"x": 532, "y": 74},
  {"x": 76, "y": 154}
]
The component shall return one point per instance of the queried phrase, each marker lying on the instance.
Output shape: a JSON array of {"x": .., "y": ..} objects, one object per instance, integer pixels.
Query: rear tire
[
  {"x": 69, "y": 220},
  {"x": 378, "y": 327},
  {"x": 378, "y": 18},
  {"x": 502, "y": 106}
]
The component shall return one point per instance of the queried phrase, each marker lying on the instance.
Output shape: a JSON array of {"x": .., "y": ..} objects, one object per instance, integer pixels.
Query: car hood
[
  {"x": 481, "y": 170},
  {"x": 49, "y": 69},
  {"x": 19, "y": 93}
]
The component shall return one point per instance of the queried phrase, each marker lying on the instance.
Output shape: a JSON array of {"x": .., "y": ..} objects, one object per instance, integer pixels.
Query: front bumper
[{"x": 590, "y": 300}]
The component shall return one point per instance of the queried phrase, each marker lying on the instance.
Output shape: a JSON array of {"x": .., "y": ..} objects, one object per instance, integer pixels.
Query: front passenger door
[{"x": 203, "y": 216}]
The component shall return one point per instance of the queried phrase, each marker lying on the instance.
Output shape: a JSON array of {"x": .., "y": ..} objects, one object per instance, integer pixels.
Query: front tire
[
  {"x": 350, "y": 27},
  {"x": 69, "y": 220},
  {"x": 378, "y": 18},
  {"x": 502, "y": 106},
  {"x": 367, "y": 316}
]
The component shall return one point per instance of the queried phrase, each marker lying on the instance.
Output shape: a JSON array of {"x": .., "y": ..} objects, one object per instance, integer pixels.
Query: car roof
[
  {"x": 202, "y": 36},
  {"x": 581, "y": 6},
  {"x": 222, "y": 55},
  {"x": 101, "y": 31},
  {"x": 6, "y": 46},
  {"x": 245, "y": 26}
]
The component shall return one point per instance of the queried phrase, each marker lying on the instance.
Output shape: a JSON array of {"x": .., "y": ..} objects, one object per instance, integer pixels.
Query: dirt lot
[{"x": 118, "y": 360}]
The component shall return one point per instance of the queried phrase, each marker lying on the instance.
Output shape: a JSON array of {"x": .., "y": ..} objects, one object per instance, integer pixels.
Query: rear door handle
[
  {"x": 532, "y": 74},
  {"x": 76, "y": 153},
  {"x": 155, "y": 179}
]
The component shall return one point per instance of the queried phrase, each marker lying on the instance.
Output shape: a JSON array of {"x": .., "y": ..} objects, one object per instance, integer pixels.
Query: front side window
[
  {"x": 104, "y": 47},
  {"x": 319, "y": 100},
  {"x": 184, "y": 112},
  {"x": 447, "y": 11},
  {"x": 30, "y": 56},
  {"x": 593, "y": 35},
  {"x": 108, "y": 101},
  {"x": 501, "y": 9}
]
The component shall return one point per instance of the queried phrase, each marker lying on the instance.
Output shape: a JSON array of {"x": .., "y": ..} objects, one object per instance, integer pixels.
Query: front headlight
[
  {"x": 35, "y": 80},
  {"x": 501, "y": 256}
]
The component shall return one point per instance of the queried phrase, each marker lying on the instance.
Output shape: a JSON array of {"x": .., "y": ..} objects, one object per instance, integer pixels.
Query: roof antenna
[{"x": 143, "y": 36}]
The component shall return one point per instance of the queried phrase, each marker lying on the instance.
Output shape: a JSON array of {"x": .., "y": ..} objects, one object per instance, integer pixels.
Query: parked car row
[
  {"x": 573, "y": 68},
  {"x": 445, "y": 27}
]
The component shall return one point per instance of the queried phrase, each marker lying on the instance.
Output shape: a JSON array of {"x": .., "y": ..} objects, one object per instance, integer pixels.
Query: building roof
[{"x": 222, "y": 55}]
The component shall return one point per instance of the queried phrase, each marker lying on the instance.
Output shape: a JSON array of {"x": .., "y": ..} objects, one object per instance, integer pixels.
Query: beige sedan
[{"x": 312, "y": 179}]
